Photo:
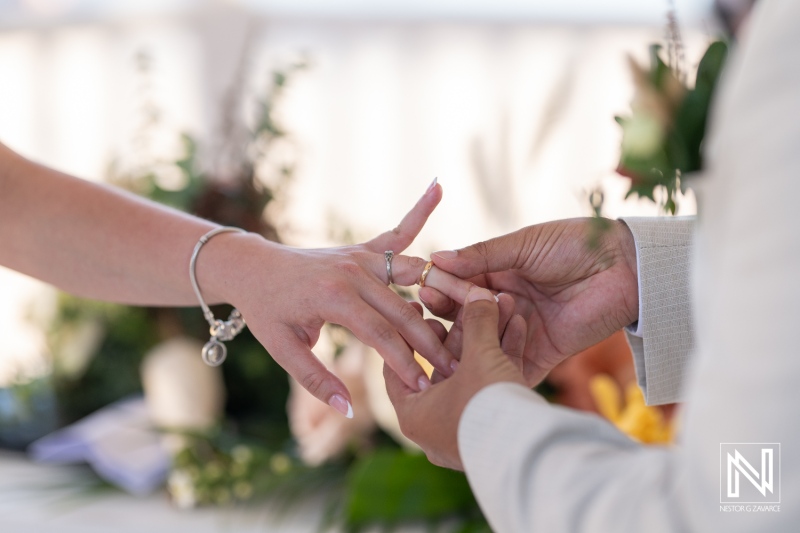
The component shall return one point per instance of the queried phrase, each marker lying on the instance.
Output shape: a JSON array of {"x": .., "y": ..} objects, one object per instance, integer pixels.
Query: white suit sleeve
[{"x": 537, "y": 467}]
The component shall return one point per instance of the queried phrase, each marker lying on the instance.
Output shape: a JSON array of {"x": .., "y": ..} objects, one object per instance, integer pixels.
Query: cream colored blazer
[{"x": 537, "y": 467}]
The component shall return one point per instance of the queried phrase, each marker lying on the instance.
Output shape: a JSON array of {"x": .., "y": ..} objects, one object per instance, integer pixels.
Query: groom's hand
[
  {"x": 571, "y": 295},
  {"x": 430, "y": 417}
]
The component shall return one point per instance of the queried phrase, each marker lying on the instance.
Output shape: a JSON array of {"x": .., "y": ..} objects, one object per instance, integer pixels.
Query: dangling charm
[{"x": 214, "y": 353}]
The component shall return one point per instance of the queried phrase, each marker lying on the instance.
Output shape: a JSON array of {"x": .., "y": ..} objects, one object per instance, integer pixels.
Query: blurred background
[{"x": 509, "y": 103}]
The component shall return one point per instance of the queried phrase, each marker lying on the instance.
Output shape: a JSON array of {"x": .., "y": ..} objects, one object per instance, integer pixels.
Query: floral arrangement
[
  {"x": 662, "y": 139},
  {"x": 631, "y": 415}
]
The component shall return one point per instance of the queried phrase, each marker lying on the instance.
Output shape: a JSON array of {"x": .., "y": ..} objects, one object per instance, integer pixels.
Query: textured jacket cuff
[{"x": 664, "y": 255}]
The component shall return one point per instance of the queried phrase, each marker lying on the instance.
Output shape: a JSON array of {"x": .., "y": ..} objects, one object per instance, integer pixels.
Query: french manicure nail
[
  {"x": 453, "y": 365},
  {"x": 446, "y": 254},
  {"x": 338, "y": 402},
  {"x": 432, "y": 185},
  {"x": 423, "y": 382},
  {"x": 479, "y": 293}
]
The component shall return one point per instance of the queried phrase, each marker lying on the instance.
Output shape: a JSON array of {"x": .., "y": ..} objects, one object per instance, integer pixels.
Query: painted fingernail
[
  {"x": 453, "y": 365},
  {"x": 432, "y": 185},
  {"x": 423, "y": 382},
  {"x": 446, "y": 254},
  {"x": 479, "y": 293},
  {"x": 338, "y": 402}
]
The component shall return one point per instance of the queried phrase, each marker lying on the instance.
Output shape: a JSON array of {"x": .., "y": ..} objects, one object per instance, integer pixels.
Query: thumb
[
  {"x": 480, "y": 319},
  {"x": 495, "y": 255}
]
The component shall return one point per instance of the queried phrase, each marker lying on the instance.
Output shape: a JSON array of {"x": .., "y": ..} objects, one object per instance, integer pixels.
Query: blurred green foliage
[
  {"x": 677, "y": 144},
  {"x": 393, "y": 486}
]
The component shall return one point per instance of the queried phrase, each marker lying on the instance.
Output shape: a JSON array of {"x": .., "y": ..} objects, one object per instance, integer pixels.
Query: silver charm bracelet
[{"x": 214, "y": 352}]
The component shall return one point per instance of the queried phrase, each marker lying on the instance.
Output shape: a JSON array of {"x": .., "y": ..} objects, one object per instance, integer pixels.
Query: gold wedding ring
[{"x": 425, "y": 272}]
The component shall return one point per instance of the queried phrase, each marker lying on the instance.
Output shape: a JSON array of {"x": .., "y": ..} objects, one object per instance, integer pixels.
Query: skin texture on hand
[
  {"x": 99, "y": 242},
  {"x": 345, "y": 286},
  {"x": 430, "y": 417},
  {"x": 571, "y": 295}
]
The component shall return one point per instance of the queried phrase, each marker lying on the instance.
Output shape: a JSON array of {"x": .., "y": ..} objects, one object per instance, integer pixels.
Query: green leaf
[
  {"x": 686, "y": 140},
  {"x": 388, "y": 487},
  {"x": 658, "y": 69},
  {"x": 712, "y": 63}
]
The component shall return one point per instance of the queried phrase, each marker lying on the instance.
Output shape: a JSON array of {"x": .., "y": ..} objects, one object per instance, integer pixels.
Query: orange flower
[{"x": 639, "y": 421}]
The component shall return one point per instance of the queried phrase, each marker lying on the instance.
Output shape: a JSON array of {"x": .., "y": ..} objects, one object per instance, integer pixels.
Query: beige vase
[{"x": 182, "y": 393}]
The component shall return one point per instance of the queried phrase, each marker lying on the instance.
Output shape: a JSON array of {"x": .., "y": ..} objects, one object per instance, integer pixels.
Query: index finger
[{"x": 404, "y": 234}]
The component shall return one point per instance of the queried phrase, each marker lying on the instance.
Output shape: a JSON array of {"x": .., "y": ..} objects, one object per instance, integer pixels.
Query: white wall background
[{"x": 515, "y": 117}]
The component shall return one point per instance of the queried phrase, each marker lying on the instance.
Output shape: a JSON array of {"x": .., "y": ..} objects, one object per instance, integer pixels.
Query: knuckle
[
  {"x": 349, "y": 268},
  {"x": 483, "y": 250},
  {"x": 361, "y": 257},
  {"x": 479, "y": 312},
  {"x": 407, "y": 314},
  {"x": 383, "y": 334},
  {"x": 416, "y": 263},
  {"x": 332, "y": 289},
  {"x": 314, "y": 382}
]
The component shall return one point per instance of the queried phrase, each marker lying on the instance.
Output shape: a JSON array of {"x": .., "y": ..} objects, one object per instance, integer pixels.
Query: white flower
[
  {"x": 242, "y": 454},
  {"x": 642, "y": 135},
  {"x": 242, "y": 490},
  {"x": 181, "y": 488}
]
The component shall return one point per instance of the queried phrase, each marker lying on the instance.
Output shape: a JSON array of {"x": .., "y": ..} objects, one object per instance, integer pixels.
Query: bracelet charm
[{"x": 214, "y": 352}]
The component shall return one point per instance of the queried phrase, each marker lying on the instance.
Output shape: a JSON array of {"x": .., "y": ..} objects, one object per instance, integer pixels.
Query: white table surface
[{"x": 44, "y": 499}]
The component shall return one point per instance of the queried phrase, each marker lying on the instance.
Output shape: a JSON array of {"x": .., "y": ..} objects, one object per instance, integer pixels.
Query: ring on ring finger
[{"x": 388, "y": 255}]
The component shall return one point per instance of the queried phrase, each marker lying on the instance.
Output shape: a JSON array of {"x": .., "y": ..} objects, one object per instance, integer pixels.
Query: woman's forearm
[{"x": 99, "y": 242}]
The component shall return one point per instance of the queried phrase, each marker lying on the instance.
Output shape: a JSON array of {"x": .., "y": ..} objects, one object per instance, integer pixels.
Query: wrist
[{"x": 226, "y": 263}]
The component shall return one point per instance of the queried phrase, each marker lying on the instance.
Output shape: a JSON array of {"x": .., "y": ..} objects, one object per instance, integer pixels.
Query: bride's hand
[{"x": 286, "y": 295}]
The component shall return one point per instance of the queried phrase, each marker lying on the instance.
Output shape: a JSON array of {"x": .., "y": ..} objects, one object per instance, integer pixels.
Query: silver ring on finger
[{"x": 388, "y": 255}]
